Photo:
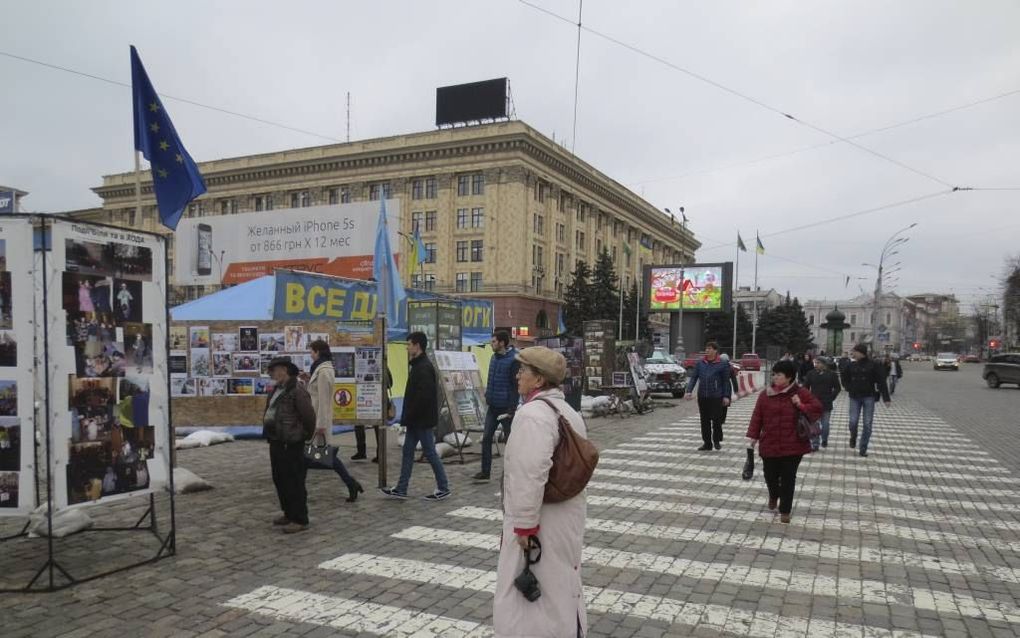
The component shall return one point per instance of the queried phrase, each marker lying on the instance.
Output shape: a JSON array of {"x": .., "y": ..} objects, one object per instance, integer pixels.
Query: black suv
[{"x": 1002, "y": 368}]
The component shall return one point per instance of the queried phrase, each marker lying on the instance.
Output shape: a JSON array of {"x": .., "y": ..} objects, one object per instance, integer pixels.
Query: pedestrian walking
[
  {"x": 774, "y": 428},
  {"x": 500, "y": 395},
  {"x": 320, "y": 390},
  {"x": 893, "y": 372},
  {"x": 289, "y": 420},
  {"x": 712, "y": 377},
  {"x": 864, "y": 383},
  {"x": 419, "y": 418},
  {"x": 824, "y": 385},
  {"x": 805, "y": 366},
  {"x": 556, "y": 528}
]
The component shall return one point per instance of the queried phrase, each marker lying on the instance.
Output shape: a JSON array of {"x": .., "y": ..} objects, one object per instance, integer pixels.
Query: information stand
[
  {"x": 440, "y": 320},
  {"x": 599, "y": 353},
  {"x": 101, "y": 336},
  {"x": 360, "y": 392},
  {"x": 461, "y": 382}
]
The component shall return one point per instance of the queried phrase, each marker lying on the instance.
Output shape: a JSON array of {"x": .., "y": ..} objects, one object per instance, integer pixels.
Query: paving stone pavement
[{"x": 919, "y": 539}]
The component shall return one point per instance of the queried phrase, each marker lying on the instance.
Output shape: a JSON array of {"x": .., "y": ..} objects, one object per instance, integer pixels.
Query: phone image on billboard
[{"x": 204, "y": 257}]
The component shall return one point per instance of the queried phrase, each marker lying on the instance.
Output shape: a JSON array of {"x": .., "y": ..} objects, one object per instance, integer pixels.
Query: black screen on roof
[{"x": 471, "y": 102}]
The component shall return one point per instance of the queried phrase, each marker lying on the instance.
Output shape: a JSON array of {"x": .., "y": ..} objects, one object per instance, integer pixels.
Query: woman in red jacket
[{"x": 774, "y": 427}]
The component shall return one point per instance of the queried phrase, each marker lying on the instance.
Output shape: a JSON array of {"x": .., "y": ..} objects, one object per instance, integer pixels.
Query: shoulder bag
[
  {"x": 574, "y": 461},
  {"x": 806, "y": 429},
  {"x": 319, "y": 456}
]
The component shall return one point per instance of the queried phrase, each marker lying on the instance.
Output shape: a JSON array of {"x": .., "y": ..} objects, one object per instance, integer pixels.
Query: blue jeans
[
  {"x": 428, "y": 446},
  {"x": 490, "y": 434},
  {"x": 338, "y": 467},
  {"x": 824, "y": 436},
  {"x": 892, "y": 383},
  {"x": 867, "y": 404}
]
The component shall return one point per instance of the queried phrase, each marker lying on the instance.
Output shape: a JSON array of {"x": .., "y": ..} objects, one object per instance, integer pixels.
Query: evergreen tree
[
  {"x": 577, "y": 300},
  {"x": 785, "y": 326},
  {"x": 801, "y": 339},
  {"x": 772, "y": 329},
  {"x": 605, "y": 295},
  {"x": 719, "y": 328}
]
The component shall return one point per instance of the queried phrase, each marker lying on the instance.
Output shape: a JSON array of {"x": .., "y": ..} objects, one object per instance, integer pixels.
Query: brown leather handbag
[{"x": 574, "y": 461}]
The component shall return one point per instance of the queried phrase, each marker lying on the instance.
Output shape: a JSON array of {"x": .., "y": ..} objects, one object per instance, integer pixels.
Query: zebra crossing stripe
[
  {"x": 811, "y": 583},
  {"x": 866, "y": 478},
  {"x": 353, "y": 616},
  {"x": 810, "y": 522},
  {"x": 878, "y": 441},
  {"x": 767, "y": 541},
  {"x": 754, "y": 493},
  {"x": 885, "y": 459},
  {"x": 918, "y": 501},
  {"x": 598, "y": 599},
  {"x": 947, "y": 441},
  {"x": 676, "y": 451}
]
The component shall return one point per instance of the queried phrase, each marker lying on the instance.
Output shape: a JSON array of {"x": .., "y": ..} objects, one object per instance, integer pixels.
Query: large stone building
[
  {"x": 504, "y": 212},
  {"x": 897, "y": 327}
]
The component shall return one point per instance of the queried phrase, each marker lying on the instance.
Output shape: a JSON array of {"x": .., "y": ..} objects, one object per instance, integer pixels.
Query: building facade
[
  {"x": 897, "y": 328},
  {"x": 748, "y": 299},
  {"x": 505, "y": 213}
]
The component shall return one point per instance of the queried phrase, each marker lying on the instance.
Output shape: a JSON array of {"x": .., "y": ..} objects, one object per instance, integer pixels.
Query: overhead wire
[
  {"x": 166, "y": 96},
  {"x": 740, "y": 95}
]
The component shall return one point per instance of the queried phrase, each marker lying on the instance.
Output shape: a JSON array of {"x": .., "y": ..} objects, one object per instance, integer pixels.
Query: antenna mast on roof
[{"x": 348, "y": 116}]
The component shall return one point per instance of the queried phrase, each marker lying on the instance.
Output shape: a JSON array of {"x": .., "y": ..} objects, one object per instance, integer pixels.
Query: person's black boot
[
  {"x": 748, "y": 465},
  {"x": 853, "y": 440},
  {"x": 353, "y": 489}
]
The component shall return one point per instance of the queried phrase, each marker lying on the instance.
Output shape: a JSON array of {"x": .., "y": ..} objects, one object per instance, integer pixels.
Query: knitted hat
[{"x": 548, "y": 363}]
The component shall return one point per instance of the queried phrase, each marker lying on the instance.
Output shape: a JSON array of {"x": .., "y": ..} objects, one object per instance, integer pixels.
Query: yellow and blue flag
[
  {"x": 175, "y": 177},
  {"x": 760, "y": 248},
  {"x": 419, "y": 245},
  {"x": 740, "y": 243}
]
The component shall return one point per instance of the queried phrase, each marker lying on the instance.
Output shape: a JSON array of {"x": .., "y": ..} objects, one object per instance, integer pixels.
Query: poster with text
[
  {"x": 17, "y": 368},
  {"x": 345, "y": 401},
  {"x": 109, "y": 397}
]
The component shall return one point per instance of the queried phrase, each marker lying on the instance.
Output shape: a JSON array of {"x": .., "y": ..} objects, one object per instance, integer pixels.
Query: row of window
[
  {"x": 853, "y": 319},
  {"x": 425, "y": 221},
  {"x": 475, "y": 246}
]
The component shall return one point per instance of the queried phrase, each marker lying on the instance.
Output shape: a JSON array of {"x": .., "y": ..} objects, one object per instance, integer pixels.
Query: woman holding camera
[{"x": 549, "y": 601}]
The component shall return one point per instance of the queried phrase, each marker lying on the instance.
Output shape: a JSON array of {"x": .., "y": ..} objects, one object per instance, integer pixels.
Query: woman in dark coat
[
  {"x": 774, "y": 427},
  {"x": 288, "y": 422}
]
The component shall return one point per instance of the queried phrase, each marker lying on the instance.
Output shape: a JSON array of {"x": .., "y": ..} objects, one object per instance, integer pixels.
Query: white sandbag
[
  {"x": 186, "y": 482},
  {"x": 458, "y": 438},
  {"x": 65, "y": 522},
  {"x": 445, "y": 449},
  {"x": 206, "y": 438},
  {"x": 186, "y": 443}
]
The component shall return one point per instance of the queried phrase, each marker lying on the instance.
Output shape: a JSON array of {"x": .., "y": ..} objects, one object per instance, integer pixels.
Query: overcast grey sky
[{"x": 842, "y": 67}]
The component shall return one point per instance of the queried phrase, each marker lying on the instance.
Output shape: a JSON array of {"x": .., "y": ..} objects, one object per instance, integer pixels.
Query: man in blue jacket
[
  {"x": 500, "y": 394},
  {"x": 712, "y": 376}
]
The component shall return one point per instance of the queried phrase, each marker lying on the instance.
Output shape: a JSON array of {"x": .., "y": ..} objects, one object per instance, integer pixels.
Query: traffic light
[
  {"x": 917, "y": 345},
  {"x": 993, "y": 344}
]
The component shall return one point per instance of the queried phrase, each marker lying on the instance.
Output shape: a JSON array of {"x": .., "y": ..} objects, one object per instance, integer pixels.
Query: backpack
[{"x": 574, "y": 461}]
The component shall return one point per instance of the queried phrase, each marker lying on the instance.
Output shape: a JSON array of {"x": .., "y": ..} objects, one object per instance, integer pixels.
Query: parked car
[
  {"x": 971, "y": 358},
  {"x": 664, "y": 374},
  {"x": 947, "y": 361},
  {"x": 750, "y": 362},
  {"x": 1002, "y": 368},
  {"x": 692, "y": 360}
]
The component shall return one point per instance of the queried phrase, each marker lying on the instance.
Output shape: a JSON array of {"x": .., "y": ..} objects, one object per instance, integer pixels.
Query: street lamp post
[{"x": 887, "y": 252}]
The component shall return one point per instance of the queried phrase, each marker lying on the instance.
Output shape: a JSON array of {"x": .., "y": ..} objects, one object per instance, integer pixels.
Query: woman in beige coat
[
  {"x": 320, "y": 389},
  {"x": 559, "y": 612}
]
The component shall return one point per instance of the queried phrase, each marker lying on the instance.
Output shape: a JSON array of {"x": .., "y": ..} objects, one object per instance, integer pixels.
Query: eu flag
[{"x": 175, "y": 178}]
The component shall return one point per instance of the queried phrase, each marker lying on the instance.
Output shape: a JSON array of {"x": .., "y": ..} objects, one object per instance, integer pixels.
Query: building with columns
[
  {"x": 899, "y": 322},
  {"x": 505, "y": 212}
]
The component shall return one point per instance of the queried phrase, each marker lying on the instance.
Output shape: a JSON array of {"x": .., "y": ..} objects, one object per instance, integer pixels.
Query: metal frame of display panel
[{"x": 168, "y": 542}]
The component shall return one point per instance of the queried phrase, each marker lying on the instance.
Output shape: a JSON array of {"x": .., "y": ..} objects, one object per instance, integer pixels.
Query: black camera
[{"x": 526, "y": 582}]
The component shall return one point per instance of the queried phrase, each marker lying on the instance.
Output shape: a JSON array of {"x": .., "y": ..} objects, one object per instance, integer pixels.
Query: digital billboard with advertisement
[
  {"x": 694, "y": 287},
  {"x": 332, "y": 240}
]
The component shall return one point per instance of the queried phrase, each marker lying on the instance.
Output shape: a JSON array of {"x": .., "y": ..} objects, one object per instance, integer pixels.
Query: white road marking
[
  {"x": 870, "y": 469},
  {"x": 804, "y": 582},
  {"x": 598, "y": 599},
  {"x": 810, "y": 522},
  {"x": 754, "y": 495},
  {"x": 915, "y": 455},
  {"x": 810, "y": 487},
  {"x": 861, "y": 480},
  {"x": 767, "y": 541},
  {"x": 885, "y": 462},
  {"x": 352, "y": 615}
]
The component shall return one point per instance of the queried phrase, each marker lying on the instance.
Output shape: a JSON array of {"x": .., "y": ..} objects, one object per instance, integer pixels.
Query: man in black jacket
[
  {"x": 824, "y": 384},
  {"x": 420, "y": 417},
  {"x": 289, "y": 420},
  {"x": 864, "y": 382}
]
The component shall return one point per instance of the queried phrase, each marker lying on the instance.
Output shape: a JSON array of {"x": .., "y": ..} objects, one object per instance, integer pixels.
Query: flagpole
[
  {"x": 736, "y": 286},
  {"x": 637, "y": 313},
  {"x": 138, "y": 186},
  {"x": 620, "y": 330},
  {"x": 754, "y": 298}
]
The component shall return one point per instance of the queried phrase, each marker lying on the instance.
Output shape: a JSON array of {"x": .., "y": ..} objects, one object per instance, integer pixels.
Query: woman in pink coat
[
  {"x": 774, "y": 427},
  {"x": 559, "y": 611}
]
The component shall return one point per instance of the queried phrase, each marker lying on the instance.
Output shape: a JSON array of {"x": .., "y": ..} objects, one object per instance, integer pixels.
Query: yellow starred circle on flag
[
  {"x": 162, "y": 172},
  {"x": 154, "y": 106},
  {"x": 163, "y": 145},
  {"x": 179, "y": 158},
  {"x": 154, "y": 127}
]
